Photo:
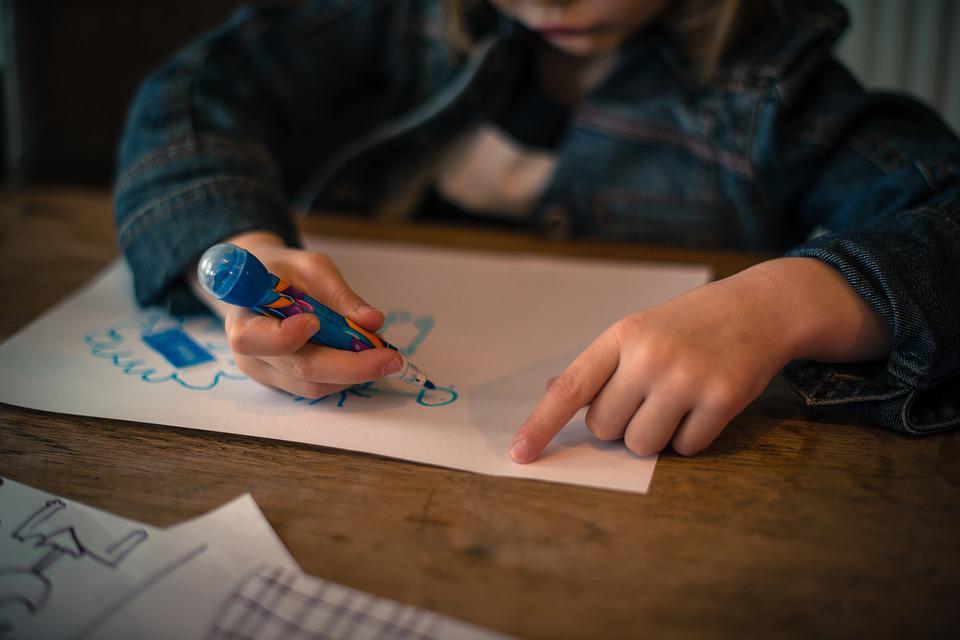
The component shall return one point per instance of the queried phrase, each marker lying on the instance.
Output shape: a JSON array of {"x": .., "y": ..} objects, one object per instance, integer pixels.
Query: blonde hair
[{"x": 705, "y": 29}]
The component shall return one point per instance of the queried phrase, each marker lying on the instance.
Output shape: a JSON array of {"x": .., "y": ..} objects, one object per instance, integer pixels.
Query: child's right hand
[{"x": 276, "y": 352}]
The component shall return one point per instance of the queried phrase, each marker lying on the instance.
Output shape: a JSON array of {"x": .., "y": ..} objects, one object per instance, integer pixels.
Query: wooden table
[{"x": 794, "y": 523}]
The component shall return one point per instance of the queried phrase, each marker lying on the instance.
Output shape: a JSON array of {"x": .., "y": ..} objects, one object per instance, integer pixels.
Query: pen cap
[{"x": 233, "y": 275}]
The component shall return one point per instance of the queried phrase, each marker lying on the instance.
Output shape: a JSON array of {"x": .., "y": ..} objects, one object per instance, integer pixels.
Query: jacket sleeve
[
  {"x": 212, "y": 133},
  {"x": 877, "y": 179}
]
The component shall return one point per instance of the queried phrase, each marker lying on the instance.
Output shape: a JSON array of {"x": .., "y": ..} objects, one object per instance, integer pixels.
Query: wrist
[
  {"x": 818, "y": 313},
  {"x": 252, "y": 240}
]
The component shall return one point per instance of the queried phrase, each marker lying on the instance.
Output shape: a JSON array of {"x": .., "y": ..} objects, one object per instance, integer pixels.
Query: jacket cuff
[
  {"x": 166, "y": 236},
  {"x": 868, "y": 390}
]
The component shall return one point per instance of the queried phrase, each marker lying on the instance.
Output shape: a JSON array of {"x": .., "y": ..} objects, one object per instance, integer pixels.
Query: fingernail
[
  {"x": 520, "y": 449},
  {"x": 363, "y": 308},
  {"x": 392, "y": 366}
]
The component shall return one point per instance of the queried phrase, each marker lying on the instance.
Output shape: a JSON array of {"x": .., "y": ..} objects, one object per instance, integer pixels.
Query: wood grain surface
[{"x": 795, "y": 524}]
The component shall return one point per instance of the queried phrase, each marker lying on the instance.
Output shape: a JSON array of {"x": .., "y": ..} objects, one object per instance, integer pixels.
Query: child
[{"x": 723, "y": 123}]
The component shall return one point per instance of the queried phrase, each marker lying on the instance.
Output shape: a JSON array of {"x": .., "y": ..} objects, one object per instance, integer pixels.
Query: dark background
[{"x": 70, "y": 69}]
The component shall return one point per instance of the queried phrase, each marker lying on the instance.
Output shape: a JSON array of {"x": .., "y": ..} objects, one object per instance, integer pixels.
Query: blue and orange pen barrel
[{"x": 234, "y": 275}]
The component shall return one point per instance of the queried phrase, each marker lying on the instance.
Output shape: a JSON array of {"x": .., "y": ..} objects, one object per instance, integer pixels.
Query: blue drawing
[
  {"x": 397, "y": 319},
  {"x": 193, "y": 353},
  {"x": 413, "y": 331},
  {"x": 365, "y": 390},
  {"x": 439, "y": 397},
  {"x": 155, "y": 347}
]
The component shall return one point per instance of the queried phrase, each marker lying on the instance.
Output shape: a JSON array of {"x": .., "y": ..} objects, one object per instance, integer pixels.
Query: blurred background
[{"x": 69, "y": 69}]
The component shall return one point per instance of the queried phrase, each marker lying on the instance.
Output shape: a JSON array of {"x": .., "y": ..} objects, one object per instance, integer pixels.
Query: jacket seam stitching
[
  {"x": 642, "y": 132},
  {"x": 810, "y": 399},
  {"x": 180, "y": 150},
  {"x": 923, "y": 427}
]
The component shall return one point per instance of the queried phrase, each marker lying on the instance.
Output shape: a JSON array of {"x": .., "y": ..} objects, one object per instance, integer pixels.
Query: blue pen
[{"x": 233, "y": 274}]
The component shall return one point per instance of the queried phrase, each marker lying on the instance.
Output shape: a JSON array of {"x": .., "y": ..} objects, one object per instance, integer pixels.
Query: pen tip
[{"x": 429, "y": 385}]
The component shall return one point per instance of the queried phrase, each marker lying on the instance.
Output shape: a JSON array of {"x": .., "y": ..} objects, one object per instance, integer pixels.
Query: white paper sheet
[
  {"x": 70, "y": 571},
  {"x": 490, "y": 328},
  {"x": 231, "y": 543},
  {"x": 239, "y": 526}
]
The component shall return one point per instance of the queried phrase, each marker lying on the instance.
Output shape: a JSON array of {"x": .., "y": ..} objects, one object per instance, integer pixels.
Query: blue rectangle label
[{"x": 178, "y": 348}]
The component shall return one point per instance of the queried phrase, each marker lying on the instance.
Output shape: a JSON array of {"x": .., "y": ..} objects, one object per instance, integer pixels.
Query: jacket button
[{"x": 556, "y": 223}]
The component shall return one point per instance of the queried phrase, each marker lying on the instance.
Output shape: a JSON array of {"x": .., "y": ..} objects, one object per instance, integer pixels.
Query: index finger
[{"x": 571, "y": 390}]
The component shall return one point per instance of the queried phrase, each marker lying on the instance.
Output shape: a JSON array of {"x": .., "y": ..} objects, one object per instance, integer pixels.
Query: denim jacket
[{"x": 782, "y": 151}]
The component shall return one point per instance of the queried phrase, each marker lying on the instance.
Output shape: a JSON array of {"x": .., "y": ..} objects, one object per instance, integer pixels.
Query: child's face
[{"x": 583, "y": 27}]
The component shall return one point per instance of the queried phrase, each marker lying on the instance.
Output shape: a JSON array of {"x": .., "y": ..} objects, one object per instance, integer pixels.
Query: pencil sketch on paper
[
  {"x": 51, "y": 530},
  {"x": 116, "y": 578},
  {"x": 272, "y": 602},
  {"x": 142, "y": 588}
]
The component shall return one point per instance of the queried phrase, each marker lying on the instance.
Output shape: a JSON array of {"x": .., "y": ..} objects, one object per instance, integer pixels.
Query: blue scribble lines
[
  {"x": 439, "y": 397},
  {"x": 157, "y": 348},
  {"x": 423, "y": 325},
  {"x": 364, "y": 390},
  {"x": 407, "y": 332}
]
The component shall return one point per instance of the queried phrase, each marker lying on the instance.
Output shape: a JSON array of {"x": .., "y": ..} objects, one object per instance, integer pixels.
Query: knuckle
[
  {"x": 687, "y": 446},
  {"x": 603, "y": 429},
  {"x": 628, "y": 326},
  {"x": 245, "y": 365},
  {"x": 641, "y": 444},
  {"x": 646, "y": 355},
  {"x": 536, "y": 426},
  {"x": 287, "y": 341},
  {"x": 722, "y": 398},
  {"x": 236, "y": 341},
  {"x": 301, "y": 368},
  {"x": 359, "y": 375},
  {"x": 633, "y": 333},
  {"x": 566, "y": 387},
  {"x": 318, "y": 261},
  {"x": 344, "y": 299},
  {"x": 236, "y": 333},
  {"x": 685, "y": 374},
  {"x": 313, "y": 390},
  {"x": 683, "y": 383}
]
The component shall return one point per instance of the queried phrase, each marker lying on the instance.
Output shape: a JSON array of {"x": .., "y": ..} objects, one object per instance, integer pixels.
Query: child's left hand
[{"x": 677, "y": 373}]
